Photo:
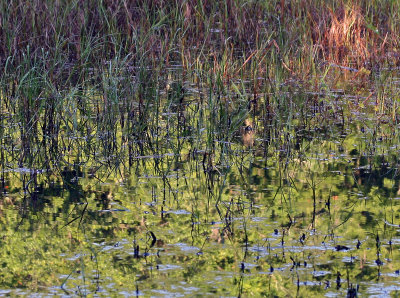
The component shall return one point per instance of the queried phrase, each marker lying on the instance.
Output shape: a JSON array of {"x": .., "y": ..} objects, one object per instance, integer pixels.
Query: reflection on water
[{"x": 309, "y": 209}]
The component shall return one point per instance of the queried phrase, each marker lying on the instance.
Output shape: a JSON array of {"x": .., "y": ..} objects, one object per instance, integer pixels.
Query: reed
[{"x": 114, "y": 79}]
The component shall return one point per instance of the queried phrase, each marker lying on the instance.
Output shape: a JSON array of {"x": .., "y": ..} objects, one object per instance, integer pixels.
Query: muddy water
[{"x": 298, "y": 203}]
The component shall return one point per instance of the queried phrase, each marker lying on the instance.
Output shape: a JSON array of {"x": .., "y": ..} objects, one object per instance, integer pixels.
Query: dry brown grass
[
  {"x": 345, "y": 37},
  {"x": 355, "y": 34}
]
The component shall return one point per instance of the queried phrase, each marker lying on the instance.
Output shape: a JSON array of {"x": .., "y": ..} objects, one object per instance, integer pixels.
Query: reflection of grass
[
  {"x": 183, "y": 122},
  {"x": 176, "y": 188}
]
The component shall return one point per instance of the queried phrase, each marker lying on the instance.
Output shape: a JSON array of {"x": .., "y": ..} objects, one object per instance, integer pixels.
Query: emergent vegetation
[{"x": 194, "y": 147}]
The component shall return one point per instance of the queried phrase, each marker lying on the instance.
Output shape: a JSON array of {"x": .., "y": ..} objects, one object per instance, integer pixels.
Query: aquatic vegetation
[{"x": 199, "y": 147}]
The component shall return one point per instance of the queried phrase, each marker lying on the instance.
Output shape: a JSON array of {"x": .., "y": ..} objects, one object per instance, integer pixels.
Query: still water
[{"x": 296, "y": 203}]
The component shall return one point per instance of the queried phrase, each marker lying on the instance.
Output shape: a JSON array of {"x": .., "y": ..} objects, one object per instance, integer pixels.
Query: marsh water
[{"x": 215, "y": 195}]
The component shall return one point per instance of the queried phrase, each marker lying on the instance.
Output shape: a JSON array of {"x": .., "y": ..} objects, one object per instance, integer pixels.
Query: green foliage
[{"x": 197, "y": 147}]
